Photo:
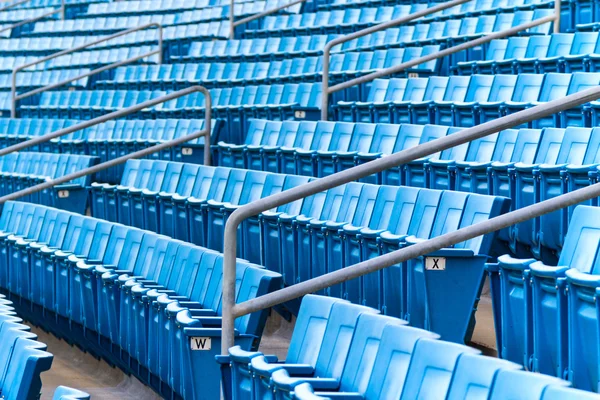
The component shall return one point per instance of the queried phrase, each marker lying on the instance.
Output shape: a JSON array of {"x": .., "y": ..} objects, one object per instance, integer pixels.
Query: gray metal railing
[
  {"x": 120, "y": 160},
  {"x": 231, "y": 310},
  {"x": 60, "y": 10},
  {"x": 233, "y": 24},
  {"x": 15, "y": 97},
  {"x": 327, "y": 90},
  {"x": 18, "y": 3}
]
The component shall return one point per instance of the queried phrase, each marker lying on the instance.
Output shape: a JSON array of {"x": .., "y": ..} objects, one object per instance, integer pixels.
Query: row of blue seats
[
  {"x": 34, "y": 79},
  {"x": 21, "y": 170},
  {"x": 52, "y": 3},
  {"x": 14, "y": 16},
  {"x": 180, "y": 35},
  {"x": 103, "y": 25},
  {"x": 342, "y": 66},
  {"x": 83, "y": 104},
  {"x": 97, "y": 58},
  {"x": 470, "y": 100},
  {"x": 320, "y": 234},
  {"x": 445, "y": 33},
  {"x": 138, "y": 299},
  {"x": 151, "y": 7},
  {"x": 23, "y": 359},
  {"x": 350, "y": 19},
  {"x": 559, "y": 52},
  {"x": 233, "y": 105},
  {"x": 8, "y": 63},
  {"x": 340, "y": 350},
  {"x": 112, "y": 139},
  {"x": 526, "y": 165},
  {"x": 98, "y": 25},
  {"x": 255, "y": 49},
  {"x": 546, "y": 316}
]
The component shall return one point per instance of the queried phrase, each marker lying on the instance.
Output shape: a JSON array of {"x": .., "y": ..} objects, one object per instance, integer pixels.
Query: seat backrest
[
  {"x": 292, "y": 181},
  {"x": 503, "y": 87},
  {"x": 305, "y": 134},
  {"x": 361, "y": 215},
  {"x": 581, "y": 81},
  {"x": 449, "y": 213},
  {"x": 549, "y": 146},
  {"x": 436, "y": 87},
  {"x": 556, "y": 392},
  {"x": 479, "y": 88},
  {"x": 510, "y": 384},
  {"x": 474, "y": 375},
  {"x": 347, "y": 206},
  {"x": 582, "y": 240},
  {"x": 480, "y": 208},
  {"x": 516, "y": 48},
  {"x": 337, "y": 338},
  {"x": 457, "y": 88},
  {"x": 10, "y": 331},
  {"x": 151, "y": 255},
  {"x": 408, "y": 136},
  {"x": 362, "y": 137},
  {"x": 560, "y": 44},
  {"x": 341, "y": 136},
  {"x": 431, "y": 368},
  {"x": 505, "y": 145},
  {"x": 307, "y": 337},
  {"x": 537, "y": 46},
  {"x": 555, "y": 86},
  {"x": 391, "y": 364},
  {"x": 378, "y": 90},
  {"x": 424, "y": 213},
  {"x": 526, "y": 145},
  {"x": 592, "y": 154},
  {"x": 496, "y": 50},
  {"x": 527, "y": 88},
  {"x": 323, "y": 135},
  {"x": 574, "y": 145},
  {"x": 363, "y": 350},
  {"x": 384, "y": 137},
  {"x": 23, "y": 374}
]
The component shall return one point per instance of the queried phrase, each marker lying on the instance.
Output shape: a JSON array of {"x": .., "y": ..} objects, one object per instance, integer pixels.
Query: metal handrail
[
  {"x": 327, "y": 90},
  {"x": 233, "y": 24},
  {"x": 60, "y": 10},
  {"x": 231, "y": 310},
  {"x": 15, "y": 97},
  {"x": 114, "y": 115},
  {"x": 18, "y": 3}
]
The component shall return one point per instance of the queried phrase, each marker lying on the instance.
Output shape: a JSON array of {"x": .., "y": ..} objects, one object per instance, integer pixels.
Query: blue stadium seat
[
  {"x": 387, "y": 372},
  {"x": 66, "y": 393},
  {"x": 345, "y": 339},
  {"x": 509, "y": 384},
  {"x": 474, "y": 376}
]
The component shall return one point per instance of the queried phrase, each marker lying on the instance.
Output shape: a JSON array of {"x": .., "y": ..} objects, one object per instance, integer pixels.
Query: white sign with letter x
[{"x": 435, "y": 263}]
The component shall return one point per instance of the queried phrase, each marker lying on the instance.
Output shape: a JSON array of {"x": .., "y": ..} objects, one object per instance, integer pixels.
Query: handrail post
[
  {"x": 14, "y": 97},
  {"x": 557, "y": 10},
  {"x": 232, "y": 310},
  {"x": 233, "y": 24},
  {"x": 127, "y": 111},
  {"x": 327, "y": 90}
]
